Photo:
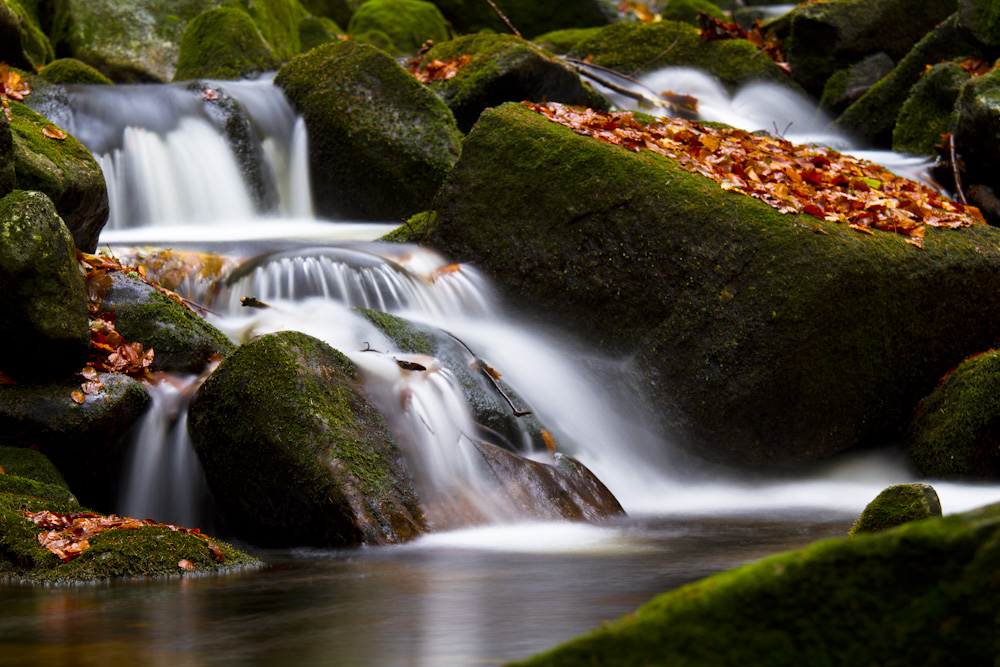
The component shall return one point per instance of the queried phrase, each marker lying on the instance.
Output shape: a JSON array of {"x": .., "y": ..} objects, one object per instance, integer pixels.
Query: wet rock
[
  {"x": 912, "y": 595},
  {"x": 973, "y": 124},
  {"x": 380, "y": 143},
  {"x": 821, "y": 38},
  {"x": 506, "y": 69},
  {"x": 408, "y": 23},
  {"x": 761, "y": 337},
  {"x": 926, "y": 114},
  {"x": 295, "y": 453},
  {"x": 223, "y": 43},
  {"x": 845, "y": 86},
  {"x": 62, "y": 169},
  {"x": 897, "y": 505},
  {"x": 531, "y": 18},
  {"x": 85, "y": 441},
  {"x": 956, "y": 432},
  {"x": 181, "y": 339},
  {"x": 982, "y": 19},
  {"x": 639, "y": 48},
  {"x": 44, "y": 319},
  {"x": 71, "y": 70}
]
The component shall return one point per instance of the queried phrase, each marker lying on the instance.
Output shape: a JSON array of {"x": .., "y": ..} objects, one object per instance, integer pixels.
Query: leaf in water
[
  {"x": 209, "y": 94},
  {"x": 550, "y": 443}
]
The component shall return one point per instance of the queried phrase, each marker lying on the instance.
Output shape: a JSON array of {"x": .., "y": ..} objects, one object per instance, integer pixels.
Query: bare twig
[
  {"x": 954, "y": 169},
  {"x": 656, "y": 57},
  {"x": 652, "y": 101},
  {"x": 505, "y": 19},
  {"x": 485, "y": 373},
  {"x": 584, "y": 63}
]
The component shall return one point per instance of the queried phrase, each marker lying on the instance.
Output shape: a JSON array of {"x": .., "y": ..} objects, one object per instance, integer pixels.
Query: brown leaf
[
  {"x": 185, "y": 564},
  {"x": 53, "y": 132},
  {"x": 77, "y": 396},
  {"x": 209, "y": 94},
  {"x": 550, "y": 443}
]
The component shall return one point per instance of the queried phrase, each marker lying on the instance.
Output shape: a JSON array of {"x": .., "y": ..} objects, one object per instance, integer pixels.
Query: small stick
[
  {"x": 517, "y": 413},
  {"x": 505, "y": 19},
  {"x": 656, "y": 57},
  {"x": 625, "y": 91},
  {"x": 954, "y": 169},
  {"x": 627, "y": 77}
]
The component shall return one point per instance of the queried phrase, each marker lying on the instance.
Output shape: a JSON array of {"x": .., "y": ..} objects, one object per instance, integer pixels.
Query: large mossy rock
[
  {"x": 278, "y": 21},
  {"x": 380, "y": 143},
  {"x": 340, "y": 11},
  {"x": 126, "y": 40},
  {"x": 820, "y": 38},
  {"x": 295, "y": 453},
  {"x": 974, "y": 126},
  {"x": 926, "y": 593},
  {"x": 896, "y": 505},
  {"x": 408, "y": 23},
  {"x": 29, "y": 472},
  {"x": 956, "y": 432},
  {"x": 506, "y": 69},
  {"x": 926, "y": 114},
  {"x": 22, "y": 42},
  {"x": 71, "y": 70},
  {"x": 223, "y": 43},
  {"x": 530, "y": 17},
  {"x": 760, "y": 337},
  {"x": 85, "y": 441},
  {"x": 846, "y": 86},
  {"x": 43, "y": 321},
  {"x": 8, "y": 159},
  {"x": 181, "y": 339},
  {"x": 638, "y": 48},
  {"x": 64, "y": 170},
  {"x": 982, "y": 19}
]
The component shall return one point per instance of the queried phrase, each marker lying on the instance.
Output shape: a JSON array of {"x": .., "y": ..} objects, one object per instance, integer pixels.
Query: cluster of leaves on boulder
[
  {"x": 13, "y": 86},
  {"x": 790, "y": 178},
  {"x": 437, "y": 69},
  {"x": 713, "y": 29}
]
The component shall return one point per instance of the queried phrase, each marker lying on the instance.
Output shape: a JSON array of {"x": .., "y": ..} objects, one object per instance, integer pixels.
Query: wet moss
[
  {"x": 927, "y": 112},
  {"x": 687, "y": 11},
  {"x": 407, "y": 336},
  {"x": 562, "y": 41},
  {"x": 897, "y": 505},
  {"x": 30, "y": 464},
  {"x": 982, "y": 19},
  {"x": 408, "y": 23},
  {"x": 26, "y": 44},
  {"x": 529, "y": 16},
  {"x": 278, "y": 21},
  {"x": 920, "y": 594},
  {"x": 315, "y": 31},
  {"x": 71, "y": 70},
  {"x": 223, "y": 43}
]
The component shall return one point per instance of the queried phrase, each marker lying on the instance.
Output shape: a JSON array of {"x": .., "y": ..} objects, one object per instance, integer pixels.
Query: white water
[{"x": 576, "y": 395}]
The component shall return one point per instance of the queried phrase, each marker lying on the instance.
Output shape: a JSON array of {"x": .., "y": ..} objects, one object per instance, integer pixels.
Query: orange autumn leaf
[
  {"x": 550, "y": 443},
  {"x": 53, "y": 132},
  {"x": 185, "y": 564},
  {"x": 437, "y": 70},
  {"x": 77, "y": 396},
  {"x": 12, "y": 85}
]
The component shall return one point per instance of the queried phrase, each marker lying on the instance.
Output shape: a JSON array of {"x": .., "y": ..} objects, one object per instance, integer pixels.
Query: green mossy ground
[
  {"x": 897, "y": 505},
  {"x": 638, "y": 48},
  {"x": 71, "y": 70},
  {"x": 777, "y": 335},
  {"x": 223, "y": 43},
  {"x": 923, "y": 594},
  {"x": 408, "y": 23}
]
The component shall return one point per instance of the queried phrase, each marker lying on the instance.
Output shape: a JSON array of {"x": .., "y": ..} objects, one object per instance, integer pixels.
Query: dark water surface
[{"x": 473, "y": 598}]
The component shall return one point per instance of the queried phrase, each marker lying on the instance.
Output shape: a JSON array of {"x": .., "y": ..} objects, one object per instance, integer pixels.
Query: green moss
[
  {"x": 687, "y": 11},
  {"x": 637, "y": 48},
  {"x": 34, "y": 42},
  {"x": 982, "y": 19},
  {"x": 25, "y": 486},
  {"x": 529, "y": 16},
  {"x": 30, "y": 464},
  {"x": 71, "y": 70},
  {"x": 379, "y": 40},
  {"x": 897, "y": 505},
  {"x": 408, "y": 23},
  {"x": 315, "y": 31},
  {"x": 223, "y": 43},
  {"x": 407, "y": 336},
  {"x": 562, "y": 41},
  {"x": 927, "y": 112},
  {"x": 278, "y": 22},
  {"x": 920, "y": 594}
]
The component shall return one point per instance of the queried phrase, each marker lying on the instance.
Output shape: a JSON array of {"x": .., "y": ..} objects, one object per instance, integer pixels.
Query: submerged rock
[
  {"x": 380, "y": 143},
  {"x": 760, "y": 337},
  {"x": 64, "y": 170},
  {"x": 505, "y": 68},
  {"x": 44, "y": 320},
  {"x": 956, "y": 432},
  {"x": 924, "y": 593},
  {"x": 295, "y": 453},
  {"x": 897, "y": 505},
  {"x": 223, "y": 43}
]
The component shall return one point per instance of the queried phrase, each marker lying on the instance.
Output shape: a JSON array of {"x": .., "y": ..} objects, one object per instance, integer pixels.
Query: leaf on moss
[
  {"x": 437, "y": 70},
  {"x": 53, "y": 132}
]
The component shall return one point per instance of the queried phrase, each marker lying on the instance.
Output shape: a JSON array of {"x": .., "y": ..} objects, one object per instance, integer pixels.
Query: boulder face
[
  {"x": 760, "y": 337},
  {"x": 407, "y": 23},
  {"x": 956, "y": 432},
  {"x": 897, "y": 505},
  {"x": 506, "y": 69},
  {"x": 44, "y": 319},
  {"x": 531, "y": 18},
  {"x": 380, "y": 143},
  {"x": 913, "y": 595},
  {"x": 223, "y": 43},
  {"x": 22, "y": 42},
  {"x": 65, "y": 171},
  {"x": 295, "y": 453},
  {"x": 71, "y": 70},
  {"x": 926, "y": 114}
]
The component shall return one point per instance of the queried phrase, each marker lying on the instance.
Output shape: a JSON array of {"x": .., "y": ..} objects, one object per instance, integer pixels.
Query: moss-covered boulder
[
  {"x": 563, "y": 41},
  {"x": 896, "y": 505},
  {"x": 181, "y": 339},
  {"x": 689, "y": 10},
  {"x": 506, "y": 69},
  {"x": 974, "y": 126},
  {"x": 846, "y": 86},
  {"x": 820, "y": 38},
  {"x": 64, "y": 170},
  {"x": 317, "y": 30},
  {"x": 380, "y": 143},
  {"x": 7, "y": 157},
  {"x": 126, "y": 40},
  {"x": 295, "y": 453},
  {"x": 982, "y": 19},
  {"x": 22, "y": 42},
  {"x": 637, "y": 48},
  {"x": 340, "y": 11},
  {"x": 925, "y": 593},
  {"x": 926, "y": 114},
  {"x": 71, "y": 70},
  {"x": 408, "y": 23},
  {"x": 44, "y": 319},
  {"x": 761, "y": 337},
  {"x": 223, "y": 43},
  {"x": 873, "y": 116},
  {"x": 530, "y": 17},
  {"x": 112, "y": 554},
  {"x": 278, "y": 21},
  {"x": 29, "y": 472},
  {"x": 85, "y": 441},
  {"x": 956, "y": 432}
]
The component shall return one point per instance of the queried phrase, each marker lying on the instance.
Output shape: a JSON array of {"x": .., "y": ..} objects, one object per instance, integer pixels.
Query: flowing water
[{"x": 476, "y": 595}]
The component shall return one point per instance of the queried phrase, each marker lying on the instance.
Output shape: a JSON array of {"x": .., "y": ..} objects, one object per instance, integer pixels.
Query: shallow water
[{"x": 474, "y": 597}]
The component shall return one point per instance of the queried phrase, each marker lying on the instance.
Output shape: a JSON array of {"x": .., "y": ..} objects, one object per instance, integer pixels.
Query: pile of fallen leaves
[
  {"x": 14, "y": 87},
  {"x": 790, "y": 178},
  {"x": 437, "y": 70},
  {"x": 713, "y": 29},
  {"x": 68, "y": 535}
]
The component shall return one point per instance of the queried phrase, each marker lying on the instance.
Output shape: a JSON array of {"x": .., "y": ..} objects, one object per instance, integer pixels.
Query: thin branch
[
  {"x": 505, "y": 19},
  {"x": 625, "y": 91},
  {"x": 954, "y": 169},
  {"x": 485, "y": 373},
  {"x": 656, "y": 57},
  {"x": 577, "y": 61}
]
